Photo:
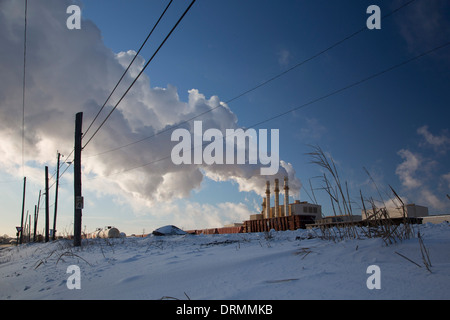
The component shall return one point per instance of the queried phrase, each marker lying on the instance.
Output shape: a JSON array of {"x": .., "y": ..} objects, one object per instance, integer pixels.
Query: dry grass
[
  {"x": 379, "y": 223},
  {"x": 424, "y": 252}
]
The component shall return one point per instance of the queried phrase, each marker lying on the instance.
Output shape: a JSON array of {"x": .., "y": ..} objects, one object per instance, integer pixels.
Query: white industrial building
[
  {"x": 436, "y": 219},
  {"x": 411, "y": 211}
]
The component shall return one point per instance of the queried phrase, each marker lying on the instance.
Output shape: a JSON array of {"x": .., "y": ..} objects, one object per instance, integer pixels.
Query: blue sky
[{"x": 395, "y": 125}]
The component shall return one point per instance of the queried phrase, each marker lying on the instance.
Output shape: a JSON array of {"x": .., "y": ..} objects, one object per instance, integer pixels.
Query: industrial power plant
[
  {"x": 287, "y": 209},
  {"x": 302, "y": 215},
  {"x": 286, "y": 216}
]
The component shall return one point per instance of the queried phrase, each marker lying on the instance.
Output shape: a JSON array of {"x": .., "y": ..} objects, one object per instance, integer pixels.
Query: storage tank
[{"x": 109, "y": 232}]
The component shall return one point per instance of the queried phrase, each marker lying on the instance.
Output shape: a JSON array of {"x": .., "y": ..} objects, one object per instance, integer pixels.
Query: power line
[
  {"x": 131, "y": 83},
  {"x": 355, "y": 83},
  {"x": 375, "y": 75},
  {"x": 140, "y": 73},
  {"x": 316, "y": 55},
  {"x": 257, "y": 86},
  {"x": 60, "y": 176},
  {"x": 60, "y": 166},
  {"x": 23, "y": 87},
  {"x": 132, "y": 61},
  {"x": 236, "y": 97},
  {"x": 115, "y": 87},
  {"x": 117, "y": 84}
]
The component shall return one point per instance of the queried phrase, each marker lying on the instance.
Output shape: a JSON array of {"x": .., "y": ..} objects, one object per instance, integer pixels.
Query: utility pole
[
  {"x": 35, "y": 223},
  {"x": 78, "y": 199},
  {"x": 24, "y": 229},
  {"x": 47, "y": 216},
  {"x": 56, "y": 197},
  {"x": 36, "y": 216},
  {"x": 29, "y": 227},
  {"x": 23, "y": 208}
]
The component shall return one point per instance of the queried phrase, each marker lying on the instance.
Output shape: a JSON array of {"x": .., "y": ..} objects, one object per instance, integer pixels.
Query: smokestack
[
  {"x": 286, "y": 197},
  {"x": 263, "y": 212},
  {"x": 277, "y": 200},
  {"x": 267, "y": 200}
]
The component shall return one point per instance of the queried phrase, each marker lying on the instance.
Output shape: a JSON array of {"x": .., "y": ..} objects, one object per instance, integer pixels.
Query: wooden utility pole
[
  {"x": 29, "y": 227},
  {"x": 78, "y": 199},
  {"x": 24, "y": 229},
  {"x": 56, "y": 197},
  {"x": 23, "y": 208},
  {"x": 47, "y": 215},
  {"x": 36, "y": 216},
  {"x": 34, "y": 223}
]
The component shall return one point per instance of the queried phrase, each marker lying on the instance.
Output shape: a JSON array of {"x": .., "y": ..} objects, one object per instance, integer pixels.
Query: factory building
[
  {"x": 286, "y": 209},
  {"x": 411, "y": 211}
]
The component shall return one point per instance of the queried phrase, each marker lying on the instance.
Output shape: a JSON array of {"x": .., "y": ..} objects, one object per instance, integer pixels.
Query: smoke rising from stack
[{"x": 66, "y": 75}]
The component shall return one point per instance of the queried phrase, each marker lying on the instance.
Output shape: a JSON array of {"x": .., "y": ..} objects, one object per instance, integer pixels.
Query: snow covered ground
[{"x": 285, "y": 266}]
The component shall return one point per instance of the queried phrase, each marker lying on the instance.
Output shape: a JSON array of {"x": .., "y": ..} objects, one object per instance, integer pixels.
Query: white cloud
[
  {"x": 70, "y": 71},
  {"x": 284, "y": 57},
  {"x": 432, "y": 200},
  {"x": 446, "y": 178},
  {"x": 248, "y": 180},
  {"x": 407, "y": 169},
  {"x": 422, "y": 177},
  {"x": 439, "y": 143}
]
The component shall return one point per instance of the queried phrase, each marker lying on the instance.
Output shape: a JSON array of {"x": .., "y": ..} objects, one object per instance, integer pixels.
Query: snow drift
[{"x": 286, "y": 265}]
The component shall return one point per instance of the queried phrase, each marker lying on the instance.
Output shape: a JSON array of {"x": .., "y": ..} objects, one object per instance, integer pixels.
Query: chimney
[
  {"x": 267, "y": 200},
  {"x": 277, "y": 200},
  {"x": 263, "y": 212},
  {"x": 286, "y": 197}
]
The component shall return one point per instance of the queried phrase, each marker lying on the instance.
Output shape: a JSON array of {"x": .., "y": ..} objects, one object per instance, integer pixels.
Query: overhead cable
[
  {"x": 354, "y": 84},
  {"x": 140, "y": 73},
  {"x": 125, "y": 72},
  {"x": 169, "y": 128}
]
